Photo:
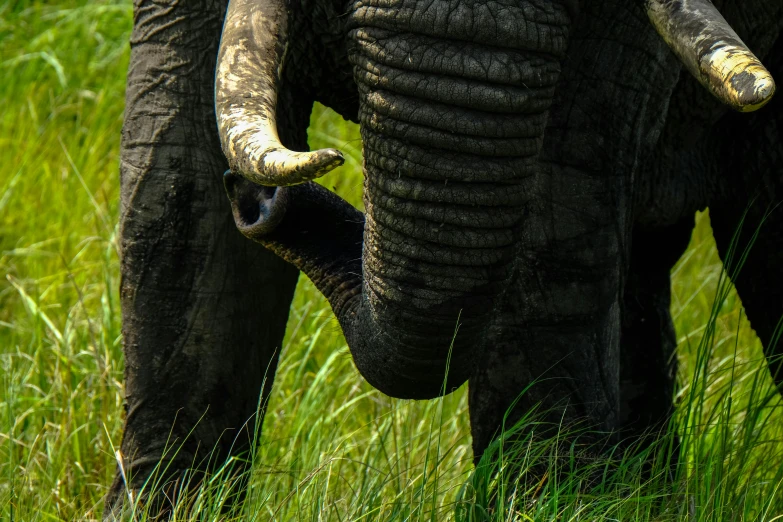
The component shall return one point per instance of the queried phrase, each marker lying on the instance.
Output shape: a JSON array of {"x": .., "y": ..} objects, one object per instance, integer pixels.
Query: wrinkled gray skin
[{"x": 573, "y": 153}]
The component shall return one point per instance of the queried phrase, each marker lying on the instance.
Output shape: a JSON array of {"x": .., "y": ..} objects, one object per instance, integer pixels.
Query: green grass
[{"x": 332, "y": 448}]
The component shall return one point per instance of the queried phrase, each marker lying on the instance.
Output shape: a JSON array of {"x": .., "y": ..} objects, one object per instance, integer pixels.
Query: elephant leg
[
  {"x": 204, "y": 309},
  {"x": 554, "y": 342},
  {"x": 578, "y": 385},
  {"x": 648, "y": 365},
  {"x": 565, "y": 376}
]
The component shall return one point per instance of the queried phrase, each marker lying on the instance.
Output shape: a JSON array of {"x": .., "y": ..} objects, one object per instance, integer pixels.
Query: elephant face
[{"x": 499, "y": 137}]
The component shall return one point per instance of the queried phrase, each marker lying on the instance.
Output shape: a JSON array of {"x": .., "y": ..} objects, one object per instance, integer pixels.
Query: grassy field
[{"x": 332, "y": 448}]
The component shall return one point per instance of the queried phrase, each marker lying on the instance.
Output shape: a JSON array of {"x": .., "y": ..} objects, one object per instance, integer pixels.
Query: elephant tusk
[
  {"x": 712, "y": 52},
  {"x": 250, "y": 63}
]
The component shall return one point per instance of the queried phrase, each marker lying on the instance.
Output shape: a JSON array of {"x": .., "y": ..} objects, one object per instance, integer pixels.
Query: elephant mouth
[{"x": 454, "y": 101}]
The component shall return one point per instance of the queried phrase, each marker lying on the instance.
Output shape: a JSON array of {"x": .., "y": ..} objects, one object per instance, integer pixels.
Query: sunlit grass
[{"x": 332, "y": 448}]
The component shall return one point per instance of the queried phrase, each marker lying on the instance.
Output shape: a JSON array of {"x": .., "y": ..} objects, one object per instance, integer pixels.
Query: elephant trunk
[
  {"x": 453, "y": 108},
  {"x": 454, "y": 103}
]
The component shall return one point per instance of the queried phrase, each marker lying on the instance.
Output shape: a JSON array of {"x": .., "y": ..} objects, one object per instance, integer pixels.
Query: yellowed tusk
[
  {"x": 247, "y": 80},
  {"x": 712, "y": 52}
]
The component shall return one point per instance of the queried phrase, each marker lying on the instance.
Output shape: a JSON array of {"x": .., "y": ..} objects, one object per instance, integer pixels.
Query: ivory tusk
[
  {"x": 250, "y": 63},
  {"x": 712, "y": 52}
]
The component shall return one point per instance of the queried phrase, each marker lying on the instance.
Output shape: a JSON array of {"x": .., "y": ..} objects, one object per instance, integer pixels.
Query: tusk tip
[
  {"x": 284, "y": 168},
  {"x": 752, "y": 91},
  {"x": 328, "y": 159},
  {"x": 737, "y": 78},
  {"x": 316, "y": 164}
]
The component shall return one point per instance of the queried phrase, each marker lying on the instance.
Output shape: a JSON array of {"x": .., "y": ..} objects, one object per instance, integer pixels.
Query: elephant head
[{"x": 462, "y": 106}]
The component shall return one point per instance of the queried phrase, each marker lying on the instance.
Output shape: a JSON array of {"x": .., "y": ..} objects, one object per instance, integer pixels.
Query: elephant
[{"x": 532, "y": 169}]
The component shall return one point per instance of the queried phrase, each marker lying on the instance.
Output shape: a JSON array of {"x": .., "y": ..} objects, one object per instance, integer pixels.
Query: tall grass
[{"x": 331, "y": 448}]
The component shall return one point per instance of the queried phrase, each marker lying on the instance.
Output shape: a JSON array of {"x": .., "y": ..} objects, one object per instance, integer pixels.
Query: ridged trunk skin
[{"x": 453, "y": 104}]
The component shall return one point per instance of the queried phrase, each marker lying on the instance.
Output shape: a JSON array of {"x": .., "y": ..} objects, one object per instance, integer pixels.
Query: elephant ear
[
  {"x": 712, "y": 52},
  {"x": 250, "y": 61}
]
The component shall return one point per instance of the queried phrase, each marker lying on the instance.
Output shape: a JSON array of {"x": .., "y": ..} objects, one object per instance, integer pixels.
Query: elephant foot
[
  {"x": 521, "y": 473},
  {"x": 528, "y": 469},
  {"x": 159, "y": 491},
  {"x": 151, "y": 499},
  {"x": 150, "y": 488}
]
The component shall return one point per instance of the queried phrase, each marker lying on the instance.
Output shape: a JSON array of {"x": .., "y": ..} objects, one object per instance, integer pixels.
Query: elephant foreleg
[
  {"x": 554, "y": 344},
  {"x": 204, "y": 309}
]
